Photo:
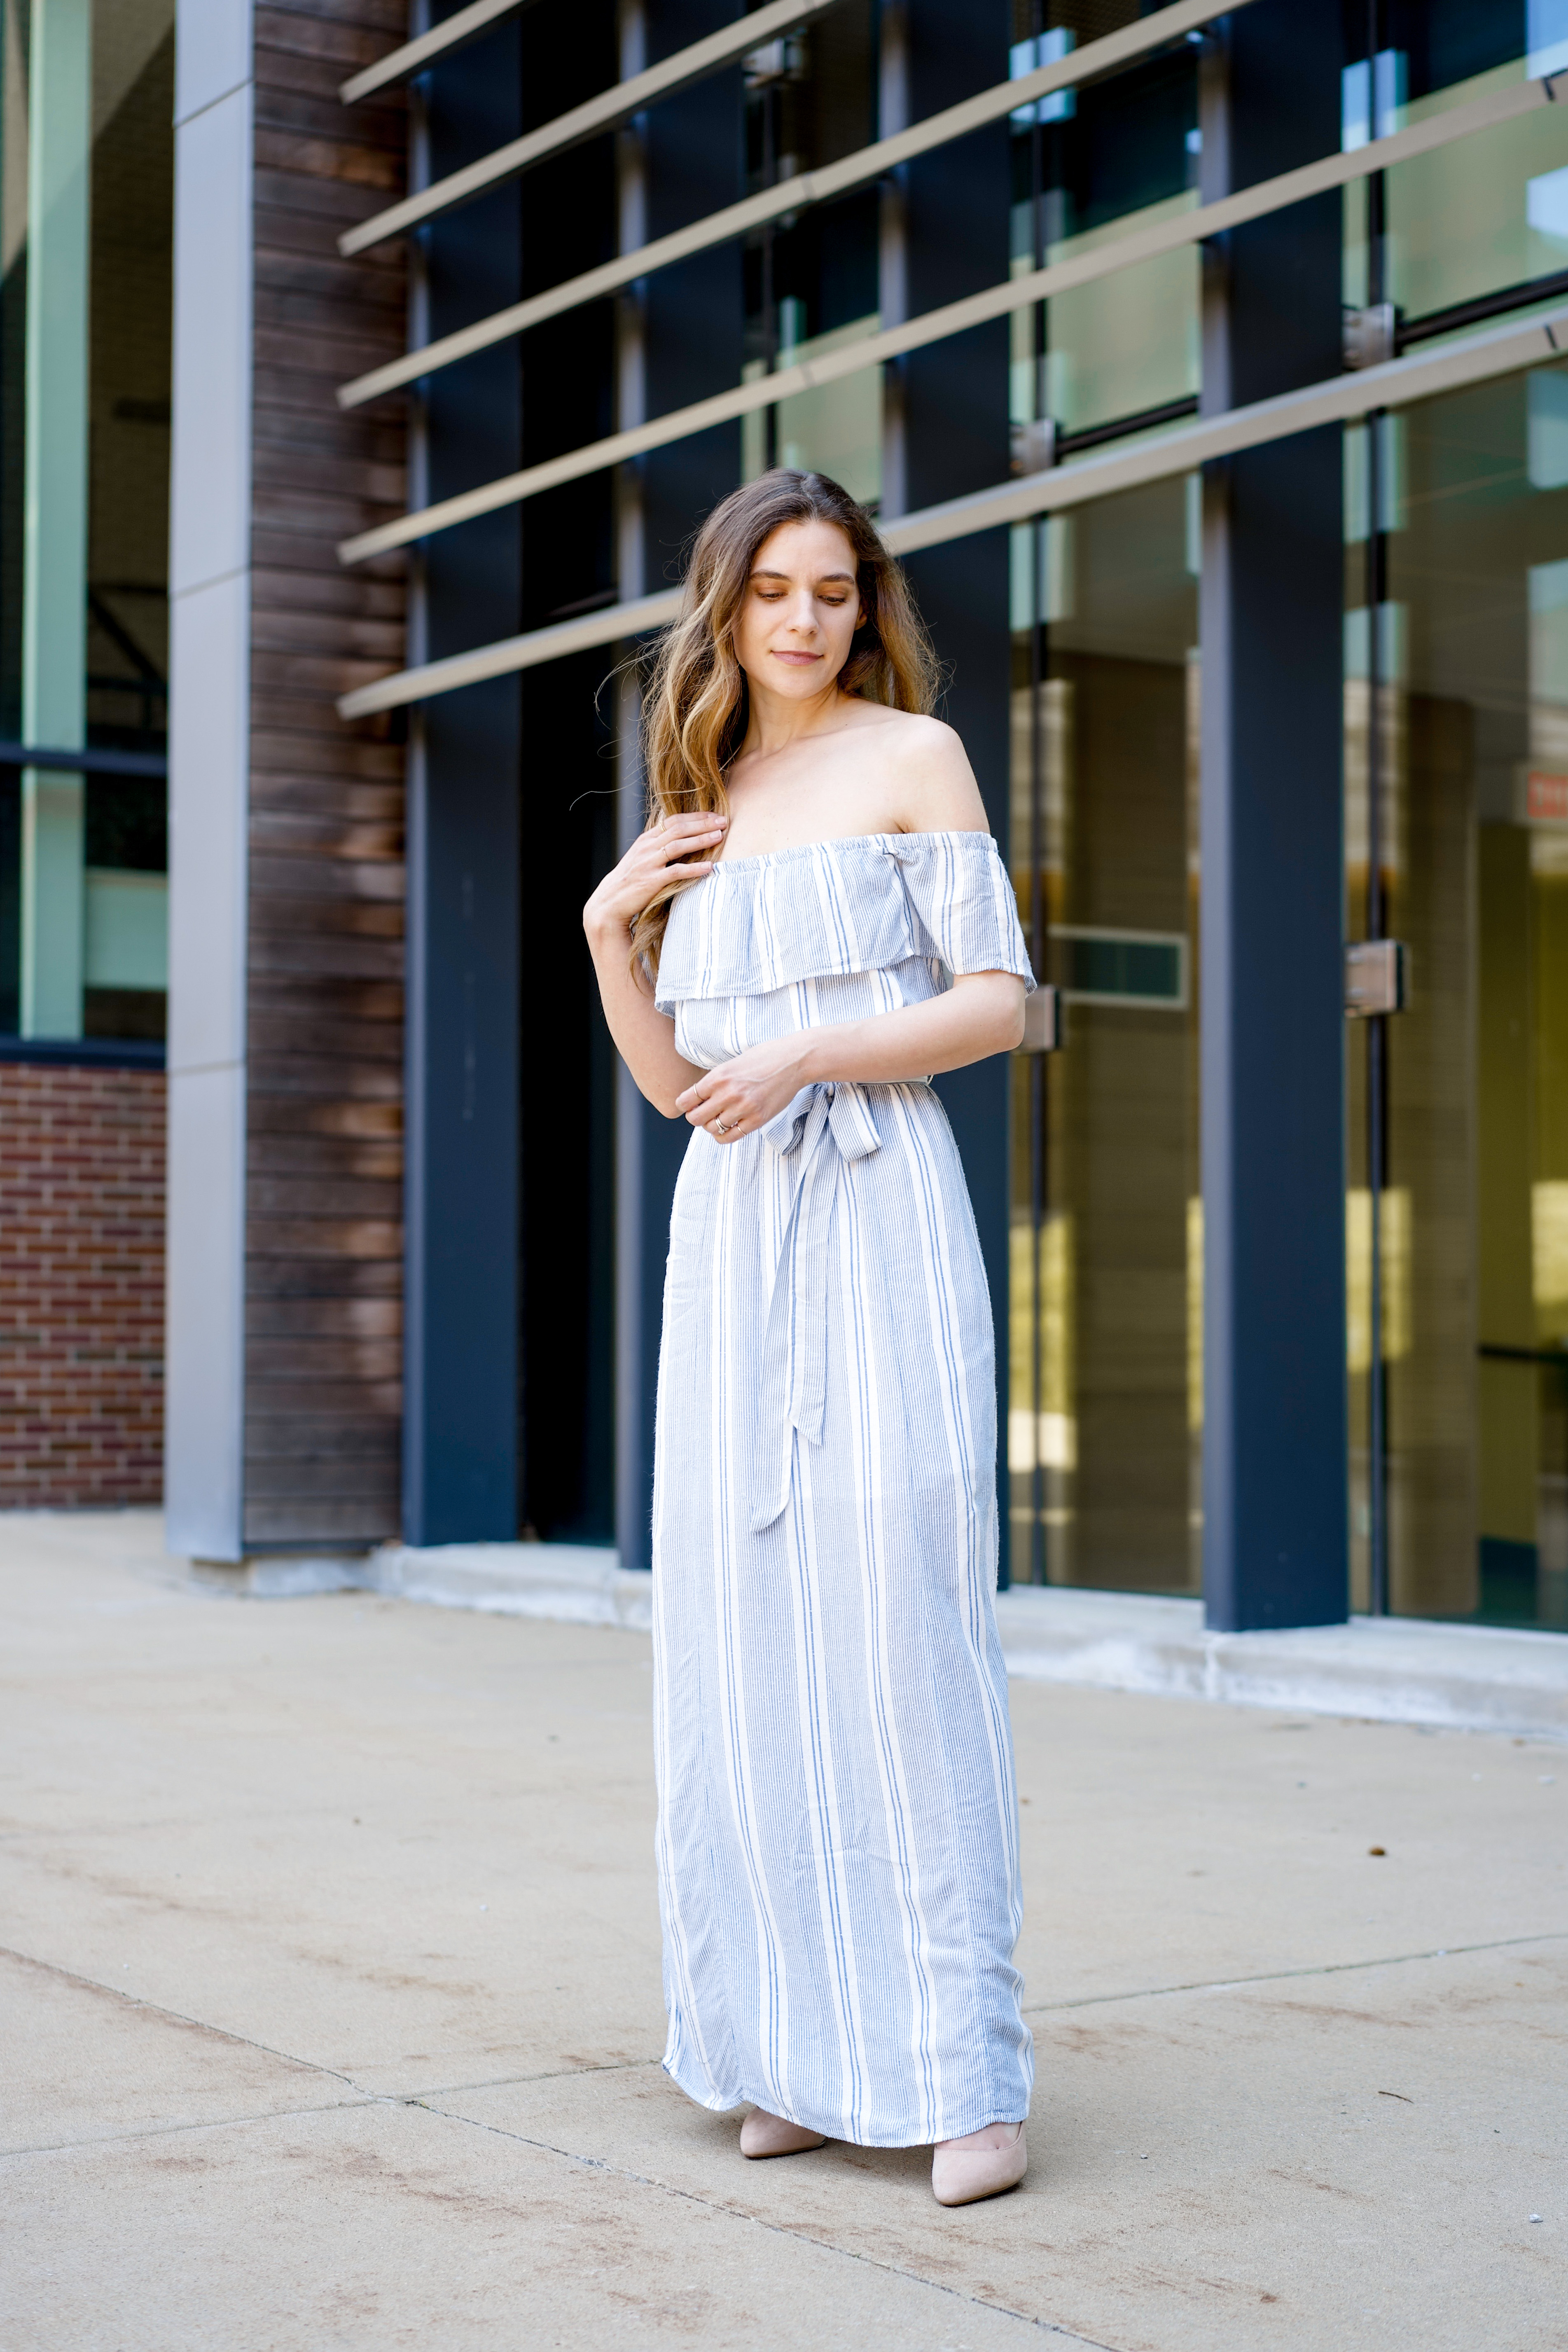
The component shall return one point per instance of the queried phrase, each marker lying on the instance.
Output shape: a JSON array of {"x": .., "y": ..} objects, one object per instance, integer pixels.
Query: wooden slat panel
[
  {"x": 351, "y": 1523},
  {"x": 360, "y": 435},
  {"x": 276, "y": 750},
  {"x": 349, "y": 637},
  {"x": 296, "y": 150},
  {"x": 280, "y": 953},
  {"x": 330, "y": 1319},
  {"x": 324, "y": 1149},
  {"x": 336, "y": 1434},
  {"x": 284, "y": 591},
  {"x": 369, "y": 1278},
  {"x": 336, "y": 1480},
  {"x": 308, "y": 34}
]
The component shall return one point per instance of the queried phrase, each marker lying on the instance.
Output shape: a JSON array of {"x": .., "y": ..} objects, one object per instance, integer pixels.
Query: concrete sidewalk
[
  {"x": 331, "y": 2017},
  {"x": 1455, "y": 1677}
]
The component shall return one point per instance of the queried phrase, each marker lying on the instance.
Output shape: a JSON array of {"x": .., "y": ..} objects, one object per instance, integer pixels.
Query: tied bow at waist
[{"x": 824, "y": 1126}]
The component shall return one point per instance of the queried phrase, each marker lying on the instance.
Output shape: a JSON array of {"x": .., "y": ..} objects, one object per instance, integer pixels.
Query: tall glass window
[
  {"x": 1474, "y": 224},
  {"x": 1106, "y": 1414},
  {"x": 86, "y": 207},
  {"x": 1089, "y": 165},
  {"x": 1462, "y": 732},
  {"x": 1105, "y": 1375},
  {"x": 812, "y": 284}
]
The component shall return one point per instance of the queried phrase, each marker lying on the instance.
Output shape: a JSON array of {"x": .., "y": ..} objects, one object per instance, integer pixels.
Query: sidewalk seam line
[
  {"x": 1285, "y": 1976},
  {"x": 197, "y": 2123},
  {"x": 178, "y": 2016},
  {"x": 405, "y": 2098},
  {"x": 773, "y": 2229}
]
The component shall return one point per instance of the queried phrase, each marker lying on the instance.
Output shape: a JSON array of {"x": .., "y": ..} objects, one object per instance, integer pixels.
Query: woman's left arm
[{"x": 981, "y": 1014}]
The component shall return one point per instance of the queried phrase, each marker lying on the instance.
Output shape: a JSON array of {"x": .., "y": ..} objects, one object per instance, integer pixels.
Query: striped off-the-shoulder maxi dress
[{"x": 838, "y": 1825}]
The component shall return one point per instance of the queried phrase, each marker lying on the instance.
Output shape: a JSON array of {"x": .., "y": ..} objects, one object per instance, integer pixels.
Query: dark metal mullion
[
  {"x": 1376, "y": 1043},
  {"x": 770, "y": 294},
  {"x": 1377, "y": 1031},
  {"x": 1039, "y": 1090},
  {"x": 84, "y": 761},
  {"x": 1499, "y": 304}
]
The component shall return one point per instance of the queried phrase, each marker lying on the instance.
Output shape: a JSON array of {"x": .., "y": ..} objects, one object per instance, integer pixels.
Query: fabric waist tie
[{"x": 824, "y": 1126}]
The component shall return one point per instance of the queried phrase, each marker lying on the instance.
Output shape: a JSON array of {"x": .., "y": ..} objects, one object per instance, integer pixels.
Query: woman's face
[{"x": 800, "y": 611}]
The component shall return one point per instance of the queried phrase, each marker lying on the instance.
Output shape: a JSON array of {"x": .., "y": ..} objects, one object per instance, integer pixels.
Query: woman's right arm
[{"x": 677, "y": 848}]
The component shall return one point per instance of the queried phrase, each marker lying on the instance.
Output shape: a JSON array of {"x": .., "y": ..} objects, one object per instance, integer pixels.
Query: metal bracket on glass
[
  {"x": 1372, "y": 336},
  {"x": 775, "y": 61},
  {"x": 1042, "y": 1022},
  {"x": 1034, "y": 446},
  {"x": 1374, "y": 977}
]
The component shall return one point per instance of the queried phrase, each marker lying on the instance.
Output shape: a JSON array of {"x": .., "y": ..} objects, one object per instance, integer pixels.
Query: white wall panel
[
  {"x": 209, "y": 726},
  {"x": 204, "y": 1392},
  {"x": 211, "y": 53},
  {"x": 210, "y": 491}
]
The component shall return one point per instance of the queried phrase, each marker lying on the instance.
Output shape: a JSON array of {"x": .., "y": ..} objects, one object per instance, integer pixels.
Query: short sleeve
[{"x": 965, "y": 914}]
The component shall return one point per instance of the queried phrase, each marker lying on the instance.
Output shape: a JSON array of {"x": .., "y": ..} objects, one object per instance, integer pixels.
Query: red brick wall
[{"x": 81, "y": 1286}]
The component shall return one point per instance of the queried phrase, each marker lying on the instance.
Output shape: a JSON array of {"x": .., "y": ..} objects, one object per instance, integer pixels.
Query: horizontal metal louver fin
[
  {"x": 1501, "y": 351},
  {"x": 443, "y": 40},
  {"x": 1096, "y": 58},
  {"x": 953, "y": 318},
  {"x": 589, "y": 120}
]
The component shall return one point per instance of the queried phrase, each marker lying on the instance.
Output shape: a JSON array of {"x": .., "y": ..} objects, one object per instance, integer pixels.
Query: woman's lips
[{"x": 797, "y": 657}]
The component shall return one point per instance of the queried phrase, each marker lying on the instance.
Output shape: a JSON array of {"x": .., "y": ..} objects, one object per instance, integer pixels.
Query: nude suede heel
[
  {"x": 962, "y": 2176},
  {"x": 765, "y": 2134}
]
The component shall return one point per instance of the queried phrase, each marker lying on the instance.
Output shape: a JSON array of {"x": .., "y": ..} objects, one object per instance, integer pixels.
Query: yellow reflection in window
[
  {"x": 1549, "y": 1238},
  {"x": 1042, "y": 1431},
  {"x": 1395, "y": 1276},
  {"x": 1195, "y": 1312}
]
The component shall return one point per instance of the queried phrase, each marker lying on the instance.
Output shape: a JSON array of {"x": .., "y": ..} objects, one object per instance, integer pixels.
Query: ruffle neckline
[{"x": 854, "y": 903}]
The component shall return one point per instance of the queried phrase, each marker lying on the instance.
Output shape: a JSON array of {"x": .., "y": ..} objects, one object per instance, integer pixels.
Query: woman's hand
[
  {"x": 677, "y": 849},
  {"x": 742, "y": 1096}
]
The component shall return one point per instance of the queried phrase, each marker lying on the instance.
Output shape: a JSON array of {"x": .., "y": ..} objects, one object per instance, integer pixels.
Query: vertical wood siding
[{"x": 324, "y": 1269}]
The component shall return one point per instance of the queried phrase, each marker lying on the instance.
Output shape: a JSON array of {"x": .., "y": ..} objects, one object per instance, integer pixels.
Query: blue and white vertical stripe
[{"x": 837, "y": 1832}]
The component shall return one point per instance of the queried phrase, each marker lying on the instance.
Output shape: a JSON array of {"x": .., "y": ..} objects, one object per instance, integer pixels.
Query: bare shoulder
[{"x": 933, "y": 784}]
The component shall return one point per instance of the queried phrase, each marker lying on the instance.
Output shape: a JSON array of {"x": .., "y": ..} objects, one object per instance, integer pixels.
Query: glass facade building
[
  {"x": 86, "y": 238},
  {"x": 1203, "y": 366}
]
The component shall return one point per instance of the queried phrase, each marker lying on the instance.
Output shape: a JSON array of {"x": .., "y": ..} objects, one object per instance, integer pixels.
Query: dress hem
[{"x": 831, "y": 2127}]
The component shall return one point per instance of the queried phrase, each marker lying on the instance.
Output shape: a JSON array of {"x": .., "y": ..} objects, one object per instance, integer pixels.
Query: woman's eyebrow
[{"x": 822, "y": 580}]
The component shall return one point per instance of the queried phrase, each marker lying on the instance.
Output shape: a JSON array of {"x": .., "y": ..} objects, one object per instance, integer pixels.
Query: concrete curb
[
  {"x": 1385, "y": 1670},
  {"x": 575, "y": 1584},
  {"x": 1388, "y": 1670}
]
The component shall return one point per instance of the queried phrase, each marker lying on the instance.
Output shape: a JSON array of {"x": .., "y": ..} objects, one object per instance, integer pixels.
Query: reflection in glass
[
  {"x": 812, "y": 281},
  {"x": 1471, "y": 643},
  {"x": 84, "y": 483},
  {"x": 1486, "y": 212},
  {"x": 1089, "y": 166},
  {"x": 1106, "y": 1411}
]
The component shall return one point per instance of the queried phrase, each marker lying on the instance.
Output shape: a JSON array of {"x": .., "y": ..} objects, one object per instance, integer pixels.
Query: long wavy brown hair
[{"x": 697, "y": 704}]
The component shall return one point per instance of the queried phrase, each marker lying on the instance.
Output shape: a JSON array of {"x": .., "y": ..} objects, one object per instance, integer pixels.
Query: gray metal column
[
  {"x": 953, "y": 410},
  {"x": 690, "y": 330},
  {"x": 1275, "y": 1492},
  {"x": 461, "y": 1191}
]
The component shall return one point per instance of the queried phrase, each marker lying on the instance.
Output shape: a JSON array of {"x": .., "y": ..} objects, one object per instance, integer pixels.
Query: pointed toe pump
[
  {"x": 962, "y": 2175},
  {"x": 765, "y": 2134}
]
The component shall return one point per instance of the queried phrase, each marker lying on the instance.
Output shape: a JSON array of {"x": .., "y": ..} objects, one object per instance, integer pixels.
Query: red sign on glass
[{"x": 1546, "y": 799}]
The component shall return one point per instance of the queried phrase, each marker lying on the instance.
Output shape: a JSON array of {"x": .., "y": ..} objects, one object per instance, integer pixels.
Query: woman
[{"x": 815, "y": 921}]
